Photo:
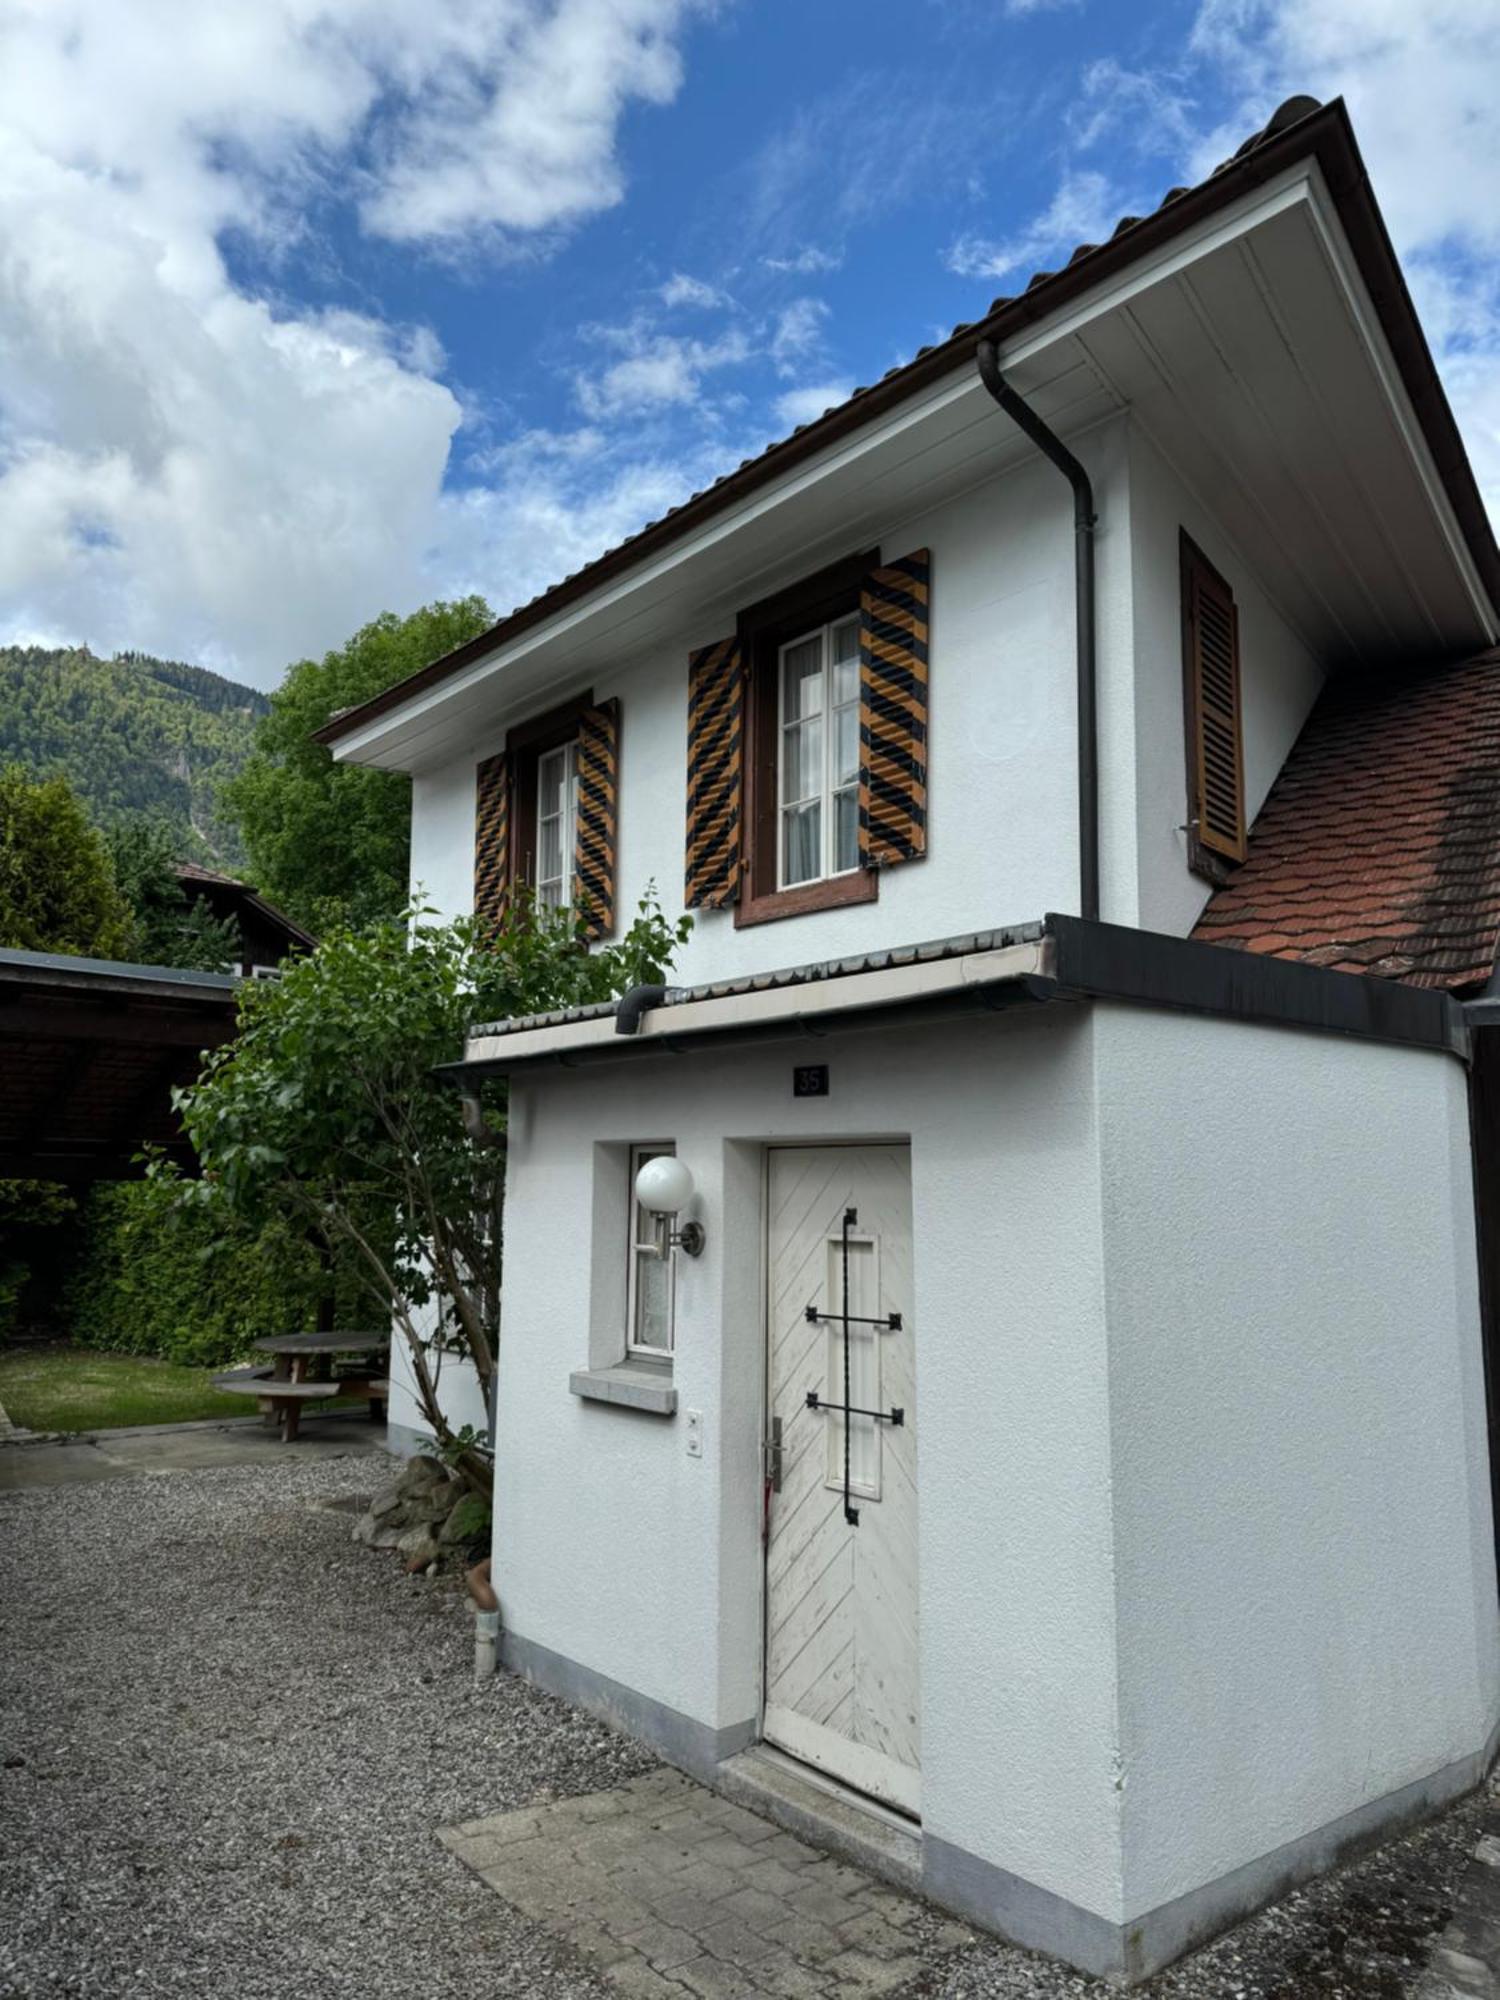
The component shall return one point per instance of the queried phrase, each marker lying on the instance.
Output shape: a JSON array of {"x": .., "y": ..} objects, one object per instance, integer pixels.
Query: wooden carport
[{"x": 90, "y": 1050}]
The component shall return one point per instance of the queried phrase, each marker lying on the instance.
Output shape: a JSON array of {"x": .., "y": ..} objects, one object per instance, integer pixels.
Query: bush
[{"x": 187, "y": 1283}]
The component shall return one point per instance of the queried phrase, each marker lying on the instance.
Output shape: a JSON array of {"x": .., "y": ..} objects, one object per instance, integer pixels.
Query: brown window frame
[
  {"x": 525, "y": 745},
  {"x": 763, "y": 629},
  {"x": 1206, "y": 861}
]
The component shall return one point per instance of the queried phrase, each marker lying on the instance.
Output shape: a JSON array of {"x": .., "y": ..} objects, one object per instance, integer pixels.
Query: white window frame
[
  {"x": 642, "y": 1240},
  {"x": 828, "y": 715},
  {"x": 556, "y": 892}
]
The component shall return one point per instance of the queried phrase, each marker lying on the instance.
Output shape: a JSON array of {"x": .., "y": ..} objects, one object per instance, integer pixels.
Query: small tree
[
  {"x": 326, "y": 1108},
  {"x": 57, "y": 889}
]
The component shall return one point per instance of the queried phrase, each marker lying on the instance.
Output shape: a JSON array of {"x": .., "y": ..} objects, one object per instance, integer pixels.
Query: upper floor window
[
  {"x": 818, "y": 755},
  {"x": 556, "y": 825},
  {"x": 1212, "y": 703}
]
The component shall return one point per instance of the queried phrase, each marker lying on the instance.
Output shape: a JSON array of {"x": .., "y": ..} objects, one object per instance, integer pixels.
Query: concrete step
[{"x": 855, "y": 1829}]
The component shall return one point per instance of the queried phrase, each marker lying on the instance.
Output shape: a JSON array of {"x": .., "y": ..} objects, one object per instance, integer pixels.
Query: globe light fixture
[{"x": 664, "y": 1187}]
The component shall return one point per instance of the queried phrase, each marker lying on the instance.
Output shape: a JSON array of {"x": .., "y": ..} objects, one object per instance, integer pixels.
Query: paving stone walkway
[{"x": 671, "y": 1891}]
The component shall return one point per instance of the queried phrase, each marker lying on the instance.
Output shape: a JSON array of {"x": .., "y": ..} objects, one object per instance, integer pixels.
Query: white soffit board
[{"x": 807, "y": 1000}]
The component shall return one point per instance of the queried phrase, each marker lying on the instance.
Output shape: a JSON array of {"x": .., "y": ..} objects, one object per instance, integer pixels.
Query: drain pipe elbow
[
  {"x": 1046, "y": 440},
  {"x": 637, "y": 1003}
]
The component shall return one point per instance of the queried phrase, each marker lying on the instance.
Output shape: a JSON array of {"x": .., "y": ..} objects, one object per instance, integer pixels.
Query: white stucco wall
[
  {"x": 1305, "y": 1588},
  {"x": 1205, "y": 1549},
  {"x": 617, "y": 1550},
  {"x": 458, "y": 1392},
  {"x": 1279, "y": 681},
  {"x": 1002, "y": 748}
]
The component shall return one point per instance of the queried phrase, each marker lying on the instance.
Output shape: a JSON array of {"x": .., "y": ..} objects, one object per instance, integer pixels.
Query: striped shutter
[
  {"x": 594, "y": 854},
  {"x": 715, "y": 775},
  {"x": 1216, "y": 757},
  {"x": 492, "y": 840},
  {"x": 893, "y": 711}
]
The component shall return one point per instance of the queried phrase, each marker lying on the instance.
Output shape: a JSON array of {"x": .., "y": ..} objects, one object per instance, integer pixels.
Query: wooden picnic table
[{"x": 302, "y": 1370}]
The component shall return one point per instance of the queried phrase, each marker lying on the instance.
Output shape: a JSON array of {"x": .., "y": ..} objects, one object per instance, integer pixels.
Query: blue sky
[{"x": 312, "y": 308}]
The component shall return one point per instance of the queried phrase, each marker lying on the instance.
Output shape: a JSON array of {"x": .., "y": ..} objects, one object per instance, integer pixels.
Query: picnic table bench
[{"x": 301, "y": 1370}]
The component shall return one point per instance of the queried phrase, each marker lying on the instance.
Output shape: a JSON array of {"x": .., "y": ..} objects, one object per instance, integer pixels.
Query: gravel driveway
[{"x": 227, "y": 1737}]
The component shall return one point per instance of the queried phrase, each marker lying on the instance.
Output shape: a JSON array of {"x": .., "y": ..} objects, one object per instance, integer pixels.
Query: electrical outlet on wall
[{"x": 694, "y": 1433}]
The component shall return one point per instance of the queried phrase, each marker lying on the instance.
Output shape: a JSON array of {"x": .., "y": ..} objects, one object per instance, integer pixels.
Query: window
[
  {"x": 801, "y": 815},
  {"x": 649, "y": 1302},
  {"x": 556, "y": 825},
  {"x": 1211, "y": 702},
  {"x": 818, "y": 825}
]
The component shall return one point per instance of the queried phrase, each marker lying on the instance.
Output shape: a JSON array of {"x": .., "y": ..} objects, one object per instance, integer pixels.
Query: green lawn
[{"x": 75, "y": 1389}]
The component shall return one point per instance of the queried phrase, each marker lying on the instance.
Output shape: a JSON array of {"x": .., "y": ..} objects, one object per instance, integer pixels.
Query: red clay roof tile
[{"x": 1378, "y": 848}]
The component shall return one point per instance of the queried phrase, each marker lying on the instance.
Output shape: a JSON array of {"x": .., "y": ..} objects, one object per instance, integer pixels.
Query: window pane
[
  {"x": 845, "y": 650},
  {"x": 845, "y": 831},
  {"x": 803, "y": 852},
  {"x": 802, "y": 679},
  {"x": 549, "y": 859},
  {"x": 802, "y": 762},
  {"x": 549, "y": 783},
  {"x": 653, "y": 1301},
  {"x": 846, "y": 746}
]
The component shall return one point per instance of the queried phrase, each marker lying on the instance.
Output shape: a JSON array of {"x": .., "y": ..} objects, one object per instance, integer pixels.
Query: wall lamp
[{"x": 664, "y": 1187}]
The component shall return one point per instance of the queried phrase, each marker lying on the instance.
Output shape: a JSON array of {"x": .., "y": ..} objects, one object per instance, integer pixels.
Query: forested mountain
[{"x": 132, "y": 734}]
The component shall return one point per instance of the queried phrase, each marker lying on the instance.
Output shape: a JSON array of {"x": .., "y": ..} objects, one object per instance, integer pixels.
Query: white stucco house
[{"x": 1060, "y": 1447}]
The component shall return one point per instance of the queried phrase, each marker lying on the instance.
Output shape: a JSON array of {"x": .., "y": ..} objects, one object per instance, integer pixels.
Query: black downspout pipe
[
  {"x": 1026, "y": 419},
  {"x": 633, "y": 1005}
]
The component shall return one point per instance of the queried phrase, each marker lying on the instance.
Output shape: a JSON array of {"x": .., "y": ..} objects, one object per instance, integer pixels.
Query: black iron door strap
[{"x": 890, "y": 1324}]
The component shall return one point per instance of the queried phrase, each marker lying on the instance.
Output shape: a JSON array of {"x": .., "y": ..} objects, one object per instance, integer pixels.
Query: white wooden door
[{"x": 841, "y": 1592}]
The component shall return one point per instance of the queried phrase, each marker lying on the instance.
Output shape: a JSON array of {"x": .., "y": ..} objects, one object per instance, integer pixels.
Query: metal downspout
[{"x": 1046, "y": 440}]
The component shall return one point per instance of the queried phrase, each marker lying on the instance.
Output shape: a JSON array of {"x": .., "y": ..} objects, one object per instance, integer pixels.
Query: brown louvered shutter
[
  {"x": 893, "y": 625},
  {"x": 594, "y": 854},
  {"x": 715, "y": 775},
  {"x": 1215, "y": 750},
  {"x": 492, "y": 839}
]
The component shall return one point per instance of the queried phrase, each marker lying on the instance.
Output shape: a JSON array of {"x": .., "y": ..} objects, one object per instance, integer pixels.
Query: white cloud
[
  {"x": 1083, "y": 210},
  {"x": 801, "y": 406},
  {"x": 680, "y": 290},
  {"x": 805, "y": 263},
  {"x": 654, "y": 368},
  {"x": 797, "y": 333},
  {"x": 189, "y": 468}
]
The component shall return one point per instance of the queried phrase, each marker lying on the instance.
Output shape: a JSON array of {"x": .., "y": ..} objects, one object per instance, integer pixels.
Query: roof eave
[{"x": 1324, "y": 135}]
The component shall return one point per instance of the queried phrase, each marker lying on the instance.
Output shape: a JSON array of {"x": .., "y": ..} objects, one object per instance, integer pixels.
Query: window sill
[
  {"x": 863, "y": 886},
  {"x": 630, "y": 1385}
]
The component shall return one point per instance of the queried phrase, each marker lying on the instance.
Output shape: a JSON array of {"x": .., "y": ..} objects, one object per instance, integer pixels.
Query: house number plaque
[{"x": 810, "y": 1080}]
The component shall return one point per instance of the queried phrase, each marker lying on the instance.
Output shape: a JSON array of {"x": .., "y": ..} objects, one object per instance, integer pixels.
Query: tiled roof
[
  {"x": 1378, "y": 848},
  {"x": 1298, "y": 125}
]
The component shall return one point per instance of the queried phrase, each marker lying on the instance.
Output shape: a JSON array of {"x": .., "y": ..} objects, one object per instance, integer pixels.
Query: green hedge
[
  {"x": 33, "y": 1236},
  {"x": 152, "y": 1278}
]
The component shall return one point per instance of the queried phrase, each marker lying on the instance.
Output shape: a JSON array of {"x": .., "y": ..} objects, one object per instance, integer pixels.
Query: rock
[
  {"x": 387, "y": 1501},
  {"x": 434, "y": 1505},
  {"x": 419, "y": 1475},
  {"x": 418, "y": 1546}
]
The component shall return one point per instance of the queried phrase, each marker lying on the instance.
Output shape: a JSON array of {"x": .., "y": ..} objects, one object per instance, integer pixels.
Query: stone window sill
[{"x": 630, "y": 1385}]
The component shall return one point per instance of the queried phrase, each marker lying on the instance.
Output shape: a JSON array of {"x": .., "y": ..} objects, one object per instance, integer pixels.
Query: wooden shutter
[
  {"x": 1216, "y": 772},
  {"x": 594, "y": 854},
  {"x": 893, "y": 711},
  {"x": 715, "y": 775},
  {"x": 492, "y": 839}
]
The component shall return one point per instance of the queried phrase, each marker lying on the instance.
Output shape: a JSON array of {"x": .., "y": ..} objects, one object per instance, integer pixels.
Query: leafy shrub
[{"x": 189, "y": 1283}]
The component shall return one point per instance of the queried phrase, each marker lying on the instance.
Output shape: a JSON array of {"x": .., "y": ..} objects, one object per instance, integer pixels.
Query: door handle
[{"x": 773, "y": 1456}]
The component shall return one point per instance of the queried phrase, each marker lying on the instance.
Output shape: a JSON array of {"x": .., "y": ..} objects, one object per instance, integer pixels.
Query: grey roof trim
[
  {"x": 1084, "y": 961},
  {"x": 52, "y": 968},
  {"x": 790, "y": 975}
]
